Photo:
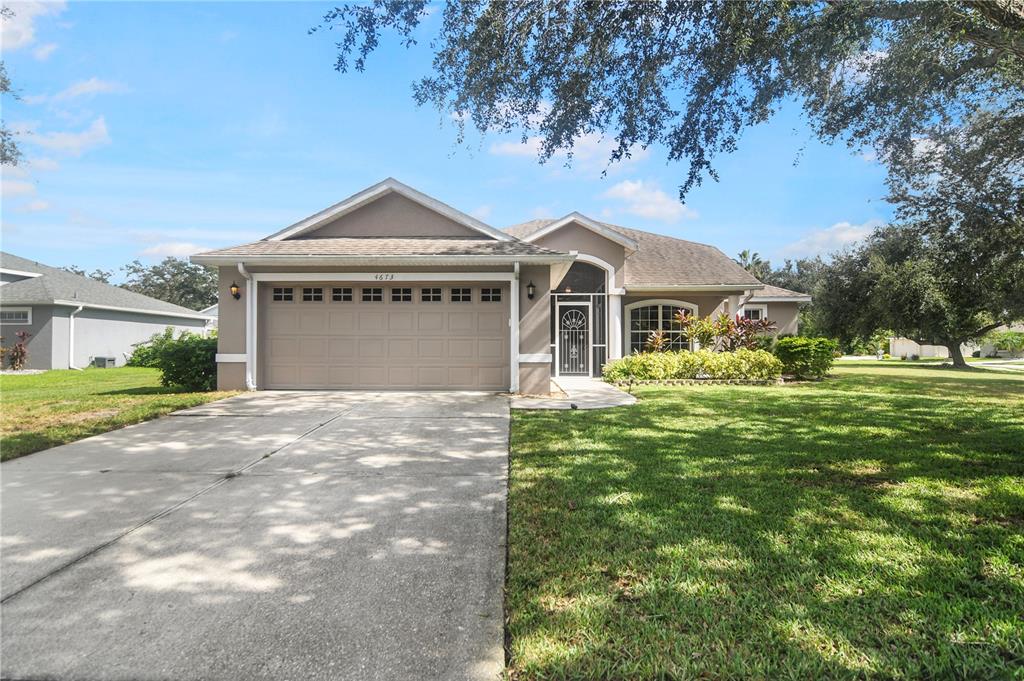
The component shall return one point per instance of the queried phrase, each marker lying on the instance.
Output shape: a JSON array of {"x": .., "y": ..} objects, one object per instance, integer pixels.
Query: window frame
[
  {"x": 313, "y": 294},
  {"x": 401, "y": 292},
  {"x": 26, "y": 310},
  {"x": 288, "y": 291},
  {"x": 490, "y": 295},
  {"x": 462, "y": 291},
  {"x": 760, "y": 307},
  {"x": 432, "y": 294},
  {"x": 339, "y": 293},
  {"x": 371, "y": 291},
  {"x": 660, "y": 303}
]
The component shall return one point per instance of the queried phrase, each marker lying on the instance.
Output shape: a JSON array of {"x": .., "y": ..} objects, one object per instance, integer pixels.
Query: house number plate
[{"x": 384, "y": 277}]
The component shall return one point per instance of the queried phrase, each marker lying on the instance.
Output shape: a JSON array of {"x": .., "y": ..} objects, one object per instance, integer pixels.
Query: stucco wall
[
  {"x": 574, "y": 237},
  {"x": 111, "y": 333},
  {"x": 394, "y": 215},
  {"x": 40, "y": 345},
  {"x": 786, "y": 317},
  {"x": 535, "y": 330}
]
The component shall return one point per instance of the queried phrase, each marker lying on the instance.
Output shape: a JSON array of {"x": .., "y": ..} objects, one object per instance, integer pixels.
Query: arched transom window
[{"x": 650, "y": 315}]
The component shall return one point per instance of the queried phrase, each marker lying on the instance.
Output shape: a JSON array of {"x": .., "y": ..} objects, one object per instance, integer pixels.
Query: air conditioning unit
[{"x": 104, "y": 362}]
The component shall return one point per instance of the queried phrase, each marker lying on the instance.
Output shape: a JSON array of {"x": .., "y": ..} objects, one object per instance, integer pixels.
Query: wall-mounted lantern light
[
  {"x": 235, "y": 292},
  {"x": 530, "y": 290}
]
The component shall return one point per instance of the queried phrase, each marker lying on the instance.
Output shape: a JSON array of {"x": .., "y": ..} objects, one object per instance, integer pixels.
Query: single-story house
[
  {"x": 74, "y": 319},
  {"x": 392, "y": 289}
]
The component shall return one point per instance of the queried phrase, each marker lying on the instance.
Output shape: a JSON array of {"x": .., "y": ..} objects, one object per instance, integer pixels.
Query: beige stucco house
[{"x": 392, "y": 289}]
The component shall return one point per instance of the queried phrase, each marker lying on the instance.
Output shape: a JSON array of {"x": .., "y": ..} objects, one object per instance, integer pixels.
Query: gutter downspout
[
  {"x": 71, "y": 338},
  {"x": 513, "y": 323},
  {"x": 250, "y": 384}
]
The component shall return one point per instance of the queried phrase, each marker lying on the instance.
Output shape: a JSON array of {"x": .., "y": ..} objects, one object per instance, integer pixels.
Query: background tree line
[{"x": 173, "y": 280}]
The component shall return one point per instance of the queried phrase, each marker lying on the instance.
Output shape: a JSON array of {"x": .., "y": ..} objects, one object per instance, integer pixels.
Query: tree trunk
[{"x": 956, "y": 354}]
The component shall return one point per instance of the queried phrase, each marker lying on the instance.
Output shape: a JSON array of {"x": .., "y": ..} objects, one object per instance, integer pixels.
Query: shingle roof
[
  {"x": 664, "y": 260},
  {"x": 57, "y": 284},
  {"x": 778, "y": 292},
  {"x": 384, "y": 246}
]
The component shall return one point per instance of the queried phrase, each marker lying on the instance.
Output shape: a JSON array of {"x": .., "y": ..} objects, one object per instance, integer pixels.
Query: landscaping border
[{"x": 699, "y": 381}]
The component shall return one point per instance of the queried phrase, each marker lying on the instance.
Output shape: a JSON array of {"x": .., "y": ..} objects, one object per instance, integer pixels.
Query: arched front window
[
  {"x": 582, "y": 277},
  {"x": 651, "y": 315}
]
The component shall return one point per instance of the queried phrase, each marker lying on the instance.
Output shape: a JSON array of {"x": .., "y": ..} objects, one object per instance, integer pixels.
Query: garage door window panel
[
  {"x": 341, "y": 295},
  {"x": 431, "y": 295},
  {"x": 462, "y": 295},
  {"x": 490, "y": 295},
  {"x": 401, "y": 295},
  {"x": 373, "y": 295},
  {"x": 313, "y": 295},
  {"x": 282, "y": 295}
]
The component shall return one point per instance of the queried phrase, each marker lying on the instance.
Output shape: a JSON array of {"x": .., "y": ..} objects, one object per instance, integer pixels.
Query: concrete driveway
[{"x": 283, "y": 535}]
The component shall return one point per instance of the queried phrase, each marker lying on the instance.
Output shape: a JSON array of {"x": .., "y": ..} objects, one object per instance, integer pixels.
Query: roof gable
[
  {"x": 396, "y": 197},
  {"x": 582, "y": 220}
]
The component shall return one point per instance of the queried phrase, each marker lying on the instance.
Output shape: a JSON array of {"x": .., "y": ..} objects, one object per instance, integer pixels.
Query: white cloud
[
  {"x": 36, "y": 206},
  {"x": 17, "y": 188},
  {"x": 822, "y": 241},
  {"x": 19, "y": 30},
  {"x": 647, "y": 200},
  {"x": 482, "y": 212},
  {"x": 590, "y": 152},
  {"x": 74, "y": 143},
  {"x": 177, "y": 249},
  {"x": 83, "y": 88},
  {"x": 43, "y": 52},
  {"x": 42, "y": 163}
]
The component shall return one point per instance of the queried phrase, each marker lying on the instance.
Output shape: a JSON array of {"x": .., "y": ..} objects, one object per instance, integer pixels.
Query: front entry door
[{"x": 573, "y": 340}]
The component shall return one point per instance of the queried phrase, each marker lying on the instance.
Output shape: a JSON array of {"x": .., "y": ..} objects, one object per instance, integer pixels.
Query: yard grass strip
[
  {"x": 39, "y": 411},
  {"x": 870, "y": 525}
]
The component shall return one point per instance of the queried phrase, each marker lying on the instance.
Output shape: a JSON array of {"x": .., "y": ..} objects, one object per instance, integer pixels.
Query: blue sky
[{"x": 157, "y": 129}]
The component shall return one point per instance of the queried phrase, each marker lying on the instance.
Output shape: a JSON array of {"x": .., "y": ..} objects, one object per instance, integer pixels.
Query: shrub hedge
[
  {"x": 147, "y": 353},
  {"x": 189, "y": 362},
  {"x": 701, "y": 364},
  {"x": 806, "y": 357}
]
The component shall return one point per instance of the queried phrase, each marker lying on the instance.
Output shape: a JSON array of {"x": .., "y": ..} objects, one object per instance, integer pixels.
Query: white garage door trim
[{"x": 251, "y": 332}]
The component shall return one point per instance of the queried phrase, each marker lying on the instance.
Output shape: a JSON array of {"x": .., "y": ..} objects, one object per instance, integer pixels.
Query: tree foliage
[
  {"x": 10, "y": 152},
  {"x": 97, "y": 274},
  {"x": 175, "y": 281},
  {"x": 934, "y": 285},
  {"x": 881, "y": 76}
]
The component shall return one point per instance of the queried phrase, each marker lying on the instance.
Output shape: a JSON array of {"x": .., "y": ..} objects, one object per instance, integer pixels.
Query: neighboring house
[
  {"x": 74, "y": 319},
  {"x": 211, "y": 313},
  {"x": 392, "y": 289},
  {"x": 905, "y": 347}
]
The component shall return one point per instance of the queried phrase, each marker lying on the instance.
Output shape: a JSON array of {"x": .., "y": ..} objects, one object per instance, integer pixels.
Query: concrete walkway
[
  {"x": 272, "y": 535},
  {"x": 581, "y": 392}
]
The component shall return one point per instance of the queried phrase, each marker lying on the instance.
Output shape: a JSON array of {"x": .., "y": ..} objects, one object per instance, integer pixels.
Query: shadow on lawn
[{"x": 785, "y": 532}]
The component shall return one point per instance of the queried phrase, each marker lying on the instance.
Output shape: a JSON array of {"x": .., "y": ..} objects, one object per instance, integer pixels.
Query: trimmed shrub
[
  {"x": 188, "y": 362},
  {"x": 744, "y": 364},
  {"x": 147, "y": 353},
  {"x": 806, "y": 357}
]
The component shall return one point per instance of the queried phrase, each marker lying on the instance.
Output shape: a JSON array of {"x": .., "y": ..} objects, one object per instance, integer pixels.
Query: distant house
[
  {"x": 74, "y": 320},
  {"x": 210, "y": 312}
]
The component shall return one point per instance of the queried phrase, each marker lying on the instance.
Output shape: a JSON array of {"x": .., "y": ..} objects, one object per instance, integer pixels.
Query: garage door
[{"x": 367, "y": 335}]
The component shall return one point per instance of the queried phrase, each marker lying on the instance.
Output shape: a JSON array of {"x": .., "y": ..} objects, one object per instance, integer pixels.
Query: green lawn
[
  {"x": 44, "y": 410},
  {"x": 871, "y": 525}
]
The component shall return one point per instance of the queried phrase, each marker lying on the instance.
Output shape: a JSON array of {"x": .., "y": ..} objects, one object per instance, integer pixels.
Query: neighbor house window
[
  {"x": 17, "y": 315},
  {"x": 341, "y": 295},
  {"x": 462, "y": 295},
  {"x": 401, "y": 295},
  {"x": 490, "y": 295},
  {"x": 282, "y": 295},
  {"x": 753, "y": 313},
  {"x": 373, "y": 295},
  {"x": 643, "y": 319},
  {"x": 430, "y": 295},
  {"x": 312, "y": 295}
]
